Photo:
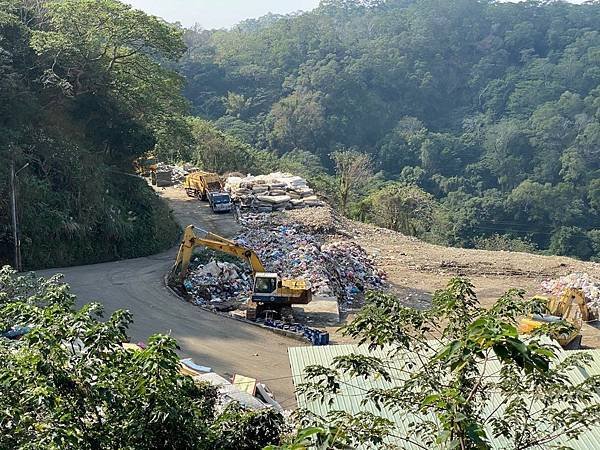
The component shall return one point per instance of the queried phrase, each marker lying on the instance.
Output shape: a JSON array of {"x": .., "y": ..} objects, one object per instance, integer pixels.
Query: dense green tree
[
  {"x": 441, "y": 369},
  {"x": 509, "y": 96},
  {"x": 353, "y": 171},
  {"x": 87, "y": 90},
  {"x": 68, "y": 383},
  {"x": 400, "y": 207}
]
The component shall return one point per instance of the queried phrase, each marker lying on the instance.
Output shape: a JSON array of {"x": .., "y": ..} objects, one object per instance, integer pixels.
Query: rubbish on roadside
[
  {"x": 218, "y": 282},
  {"x": 245, "y": 384},
  {"x": 263, "y": 393},
  {"x": 188, "y": 367},
  {"x": 342, "y": 268},
  {"x": 168, "y": 174},
  {"x": 316, "y": 337},
  {"x": 229, "y": 393}
]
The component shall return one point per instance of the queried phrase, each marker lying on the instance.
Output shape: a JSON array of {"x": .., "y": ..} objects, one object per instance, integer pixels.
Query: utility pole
[
  {"x": 15, "y": 220},
  {"x": 13, "y": 208}
]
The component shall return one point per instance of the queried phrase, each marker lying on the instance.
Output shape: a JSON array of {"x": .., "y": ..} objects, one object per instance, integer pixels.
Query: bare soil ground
[{"x": 415, "y": 269}]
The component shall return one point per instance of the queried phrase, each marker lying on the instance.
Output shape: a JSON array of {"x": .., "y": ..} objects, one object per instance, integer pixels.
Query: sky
[
  {"x": 223, "y": 13},
  {"x": 218, "y": 13}
]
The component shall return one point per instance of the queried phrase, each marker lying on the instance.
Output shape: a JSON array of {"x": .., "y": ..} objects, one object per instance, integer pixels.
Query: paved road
[{"x": 226, "y": 345}]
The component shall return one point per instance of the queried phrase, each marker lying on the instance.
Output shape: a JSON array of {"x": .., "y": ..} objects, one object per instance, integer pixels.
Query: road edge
[{"x": 174, "y": 293}]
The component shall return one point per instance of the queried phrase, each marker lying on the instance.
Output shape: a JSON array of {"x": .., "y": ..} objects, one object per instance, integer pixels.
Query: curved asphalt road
[{"x": 226, "y": 345}]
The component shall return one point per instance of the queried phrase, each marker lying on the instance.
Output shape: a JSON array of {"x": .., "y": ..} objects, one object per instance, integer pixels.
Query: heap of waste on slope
[
  {"x": 339, "y": 269},
  {"x": 273, "y": 192},
  {"x": 218, "y": 282}
]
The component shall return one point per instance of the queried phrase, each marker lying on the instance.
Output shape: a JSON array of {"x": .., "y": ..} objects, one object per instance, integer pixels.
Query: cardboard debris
[
  {"x": 245, "y": 384},
  {"x": 229, "y": 393}
]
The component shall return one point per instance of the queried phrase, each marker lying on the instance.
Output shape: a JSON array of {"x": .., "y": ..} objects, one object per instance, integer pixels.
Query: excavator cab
[{"x": 266, "y": 285}]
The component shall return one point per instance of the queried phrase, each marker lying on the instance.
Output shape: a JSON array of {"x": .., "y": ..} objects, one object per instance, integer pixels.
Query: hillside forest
[
  {"x": 82, "y": 93},
  {"x": 481, "y": 118},
  {"x": 476, "y": 122}
]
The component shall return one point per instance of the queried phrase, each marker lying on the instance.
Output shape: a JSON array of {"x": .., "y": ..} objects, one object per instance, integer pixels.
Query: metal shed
[{"x": 353, "y": 391}]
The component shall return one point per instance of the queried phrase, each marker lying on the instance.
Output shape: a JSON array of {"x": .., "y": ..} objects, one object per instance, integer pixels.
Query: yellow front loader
[{"x": 270, "y": 292}]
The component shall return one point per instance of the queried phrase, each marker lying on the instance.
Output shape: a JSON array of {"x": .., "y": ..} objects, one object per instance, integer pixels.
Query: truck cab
[{"x": 220, "y": 201}]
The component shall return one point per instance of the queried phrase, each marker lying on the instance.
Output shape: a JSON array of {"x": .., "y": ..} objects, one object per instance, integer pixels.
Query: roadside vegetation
[
  {"x": 82, "y": 93},
  {"x": 68, "y": 383}
]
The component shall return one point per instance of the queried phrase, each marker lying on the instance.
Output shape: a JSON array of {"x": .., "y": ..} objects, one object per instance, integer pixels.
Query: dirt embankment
[{"x": 415, "y": 269}]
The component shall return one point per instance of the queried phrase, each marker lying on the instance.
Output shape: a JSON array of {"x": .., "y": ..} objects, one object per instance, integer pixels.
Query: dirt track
[{"x": 226, "y": 345}]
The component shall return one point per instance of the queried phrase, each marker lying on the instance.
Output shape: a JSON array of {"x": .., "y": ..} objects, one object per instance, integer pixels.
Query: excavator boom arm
[{"x": 204, "y": 238}]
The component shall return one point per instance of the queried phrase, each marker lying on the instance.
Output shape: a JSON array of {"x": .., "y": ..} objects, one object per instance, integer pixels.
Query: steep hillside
[
  {"x": 492, "y": 108},
  {"x": 81, "y": 95}
]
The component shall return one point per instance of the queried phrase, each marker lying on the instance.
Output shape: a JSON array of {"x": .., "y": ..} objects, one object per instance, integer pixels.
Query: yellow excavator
[
  {"x": 570, "y": 307},
  {"x": 270, "y": 292}
]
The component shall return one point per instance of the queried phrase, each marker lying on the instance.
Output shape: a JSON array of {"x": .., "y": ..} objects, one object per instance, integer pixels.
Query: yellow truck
[{"x": 208, "y": 186}]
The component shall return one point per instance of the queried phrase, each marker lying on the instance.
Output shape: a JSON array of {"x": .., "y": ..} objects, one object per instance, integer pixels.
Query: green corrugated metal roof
[{"x": 353, "y": 390}]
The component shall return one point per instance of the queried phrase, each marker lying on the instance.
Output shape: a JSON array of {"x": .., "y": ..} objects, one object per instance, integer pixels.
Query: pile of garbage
[
  {"x": 221, "y": 285},
  {"x": 353, "y": 270},
  {"x": 578, "y": 280},
  {"x": 341, "y": 269},
  {"x": 321, "y": 219},
  {"x": 273, "y": 192}
]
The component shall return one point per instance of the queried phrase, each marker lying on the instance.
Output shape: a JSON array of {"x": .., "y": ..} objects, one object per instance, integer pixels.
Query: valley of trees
[
  {"x": 481, "y": 119},
  {"x": 477, "y": 123}
]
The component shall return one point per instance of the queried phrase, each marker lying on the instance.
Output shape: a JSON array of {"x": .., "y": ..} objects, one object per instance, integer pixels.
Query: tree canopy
[
  {"x": 85, "y": 90},
  {"x": 491, "y": 107}
]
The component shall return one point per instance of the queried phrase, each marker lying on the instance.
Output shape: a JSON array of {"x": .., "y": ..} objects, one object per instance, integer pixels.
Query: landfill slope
[{"x": 416, "y": 269}]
